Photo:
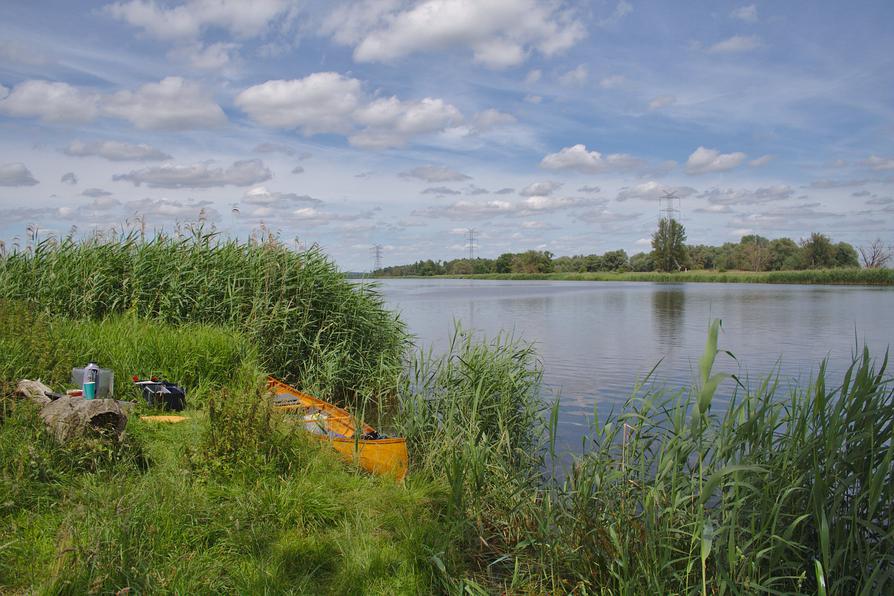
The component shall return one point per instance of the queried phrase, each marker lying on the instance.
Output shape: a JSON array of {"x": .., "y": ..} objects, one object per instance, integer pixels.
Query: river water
[{"x": 597, "y": 338}]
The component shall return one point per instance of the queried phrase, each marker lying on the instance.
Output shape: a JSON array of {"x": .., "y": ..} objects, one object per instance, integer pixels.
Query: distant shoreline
[{"x": 857, "y": 277}]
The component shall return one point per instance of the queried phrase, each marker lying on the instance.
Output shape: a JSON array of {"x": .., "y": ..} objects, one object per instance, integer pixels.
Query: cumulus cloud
[
  {"x": 69, "y": 178},
  {"x": 201, "y": 175},
  {"x": 171, "y": 104},
  {"x": 189, "y": 19},
  {"x": 96, "y": 193},
  {"x": 704, "y": 161},
  {"x": 651, "y": 191},
  {"x": 540, "y": 188},
  {"x": 536, "y": 204},
  {"x": 172, "y": 210},
  {"x": 16, "y": 174},
  {"x": 116, "y": 151},
  {"x": 440, "y": 191},
  {"x": 745, "y": 13},
  {"x": 760, "y": 161},
  {"x": 578, "y": 158},
  {"x": 465, "y": 209},
  {"x": 613, "y": 82},
  {"x": 499, "y": 34},
  {"x": 533, "y": 76},
  {"x": 504, "y": 191},
  {"x": 298, "y": 170},
  {"x": 662, "y": 101},
  {"x": 51, "y": 102},
  {"x": 392, "y": 123},
  {"x": 879, "y": 163},
  {"x": 259, "y": 196},
  {"x": 434, "y": 174},
  {"x": 491, "y": 118},
  {"x": 575, "y": 76},
  {"x": 215, "y": 56},
  {"x": 318, "y": 103},
  {"x": 589, "y": 189},
  {"x": 736, "y": 44},
  {"x": 745, "y": 196},
  {"x": 476, "y": 190}
]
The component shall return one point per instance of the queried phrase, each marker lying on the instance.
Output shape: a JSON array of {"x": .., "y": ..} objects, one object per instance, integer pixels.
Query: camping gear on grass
[
  {"x": 373, "y": 452},
  {"x": 105, "y": 383},
  {"x": 162, "y": 394}
]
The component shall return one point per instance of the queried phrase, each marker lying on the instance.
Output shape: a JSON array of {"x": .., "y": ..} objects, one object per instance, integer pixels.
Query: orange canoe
[{"x": 385, "y": 456}]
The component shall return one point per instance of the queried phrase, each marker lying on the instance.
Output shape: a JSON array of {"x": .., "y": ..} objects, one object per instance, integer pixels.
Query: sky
[{"x": 540, "y": 124}]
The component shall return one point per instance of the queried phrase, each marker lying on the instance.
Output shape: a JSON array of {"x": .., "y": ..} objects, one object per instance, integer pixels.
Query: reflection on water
[
  {"x": 668, "y": 304},
  {"x": 596, "y": 339}
]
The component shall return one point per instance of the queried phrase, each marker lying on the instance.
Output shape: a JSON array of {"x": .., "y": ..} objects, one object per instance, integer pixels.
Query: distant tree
[
  {"x": 754, "y": 252},
  {"x": 615, "y": 260},
  {"x": 817, "y": 252},
  {"x": 593, "y": 263},
  {"x": 702, "y": 256},
  {"x": 533, "y": 261},
  {"x": 876, "y": 255},
  {"x": 503, "y": 264},
  {"x": 641, "y": 262},
  {"x": 845, "y": 256},
  {"x": 669, "y": 246},
  {"x": 460, "y": 267},
  {"x": 783, "y": 254}
]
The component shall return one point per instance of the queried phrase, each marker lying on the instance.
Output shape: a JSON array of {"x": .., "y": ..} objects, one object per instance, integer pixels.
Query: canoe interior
[{"x": 384, "y": 456}]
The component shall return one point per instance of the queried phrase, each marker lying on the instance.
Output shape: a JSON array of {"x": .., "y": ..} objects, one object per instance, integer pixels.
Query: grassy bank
[
  {"x": 875, "y": 277},
  {"x": 791, "y": 489},
  {"x": 304, "y": 318}
]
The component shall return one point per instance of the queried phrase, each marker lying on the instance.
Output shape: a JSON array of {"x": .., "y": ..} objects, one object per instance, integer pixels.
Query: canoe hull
[{"x": 385, "y": 457}]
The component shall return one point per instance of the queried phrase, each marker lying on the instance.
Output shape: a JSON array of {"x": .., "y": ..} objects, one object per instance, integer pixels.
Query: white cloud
[
  {"x": 760, "y": 161},
  {"x": 704, "y": 161},
  {"x": 575, "y": 76},
  {"x": 644, "y": 242},
  {"x": 172, "y": 210},
  {"x": 578, "y": 158},
  {"x": 536, "y": 204},
  {"x": 650, "y": 191},
  {"x": 605, "y": 216},
  {"x": 534, "y": 99},
  {"x": 392, "y": 123},
  {"x": 190, "y": 19},
  {"x": 318, "y": 103},
  {"x": 613, "y": 82},
  {"x": 171, "y": 104},
  {"x": 116, "y": 151},
  {"x": 622, "y": 9},
  {"x": 50, "y": 102},
  {"x": 214, "y": 56},
  {"x": 662, "y": 101},
  {"x": 69, "y": 178},
  {"x": 879, "y": 163},
  {"x": 533, "y": 76},
  {"x": 736, "y": 44},
  {"x": 468, "y": 209},
  {"x": 500, "y": 33},
  {"x": 744, "y": 196},
  {"x": 540, "y": 188},
  {"x": 16, "y": 174},
  {"x": 434, "y": 174},
  {"x": 201, "y": 175},
  {"x": 745, "y": 13},
  {"x": 491, "y": 118},
  {"x": 261, "y": 197}
]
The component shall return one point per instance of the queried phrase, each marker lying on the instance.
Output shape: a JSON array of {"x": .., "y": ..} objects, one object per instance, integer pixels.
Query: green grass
[
  {"x": 233, "y": 500},
  {"x": 304, "y": 318},
  {"x": 880, "y": 277}
]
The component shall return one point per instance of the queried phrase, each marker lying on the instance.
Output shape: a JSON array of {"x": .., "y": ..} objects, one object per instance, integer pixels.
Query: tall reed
[{"x": 310, "y": 324}]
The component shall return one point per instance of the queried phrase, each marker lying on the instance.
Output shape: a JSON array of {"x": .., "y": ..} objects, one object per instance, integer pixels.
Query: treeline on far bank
[{"x": 751, "y": 253}]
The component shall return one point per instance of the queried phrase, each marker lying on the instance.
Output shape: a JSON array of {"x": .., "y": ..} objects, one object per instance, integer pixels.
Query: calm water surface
[{"x": 597, "y": 338}]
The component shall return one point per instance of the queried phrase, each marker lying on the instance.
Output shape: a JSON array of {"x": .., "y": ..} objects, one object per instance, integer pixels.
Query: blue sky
[{"x": 542, "y": 124}]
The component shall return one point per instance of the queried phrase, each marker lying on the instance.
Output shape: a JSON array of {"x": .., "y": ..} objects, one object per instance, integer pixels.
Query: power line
[
  {"x": 471, "y": 237},
  {"x": 377, "y": 254}
]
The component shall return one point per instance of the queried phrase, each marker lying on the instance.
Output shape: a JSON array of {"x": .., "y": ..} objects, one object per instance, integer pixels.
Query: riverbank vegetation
[
  {"x": 786, "y": 489},
  {"x": 752, "y": 254}
]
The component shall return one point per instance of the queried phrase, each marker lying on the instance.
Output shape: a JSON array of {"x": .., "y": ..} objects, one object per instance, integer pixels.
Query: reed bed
[
  {"x": 306, "y": 320},
  {"x": 872, "y": 277}
]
